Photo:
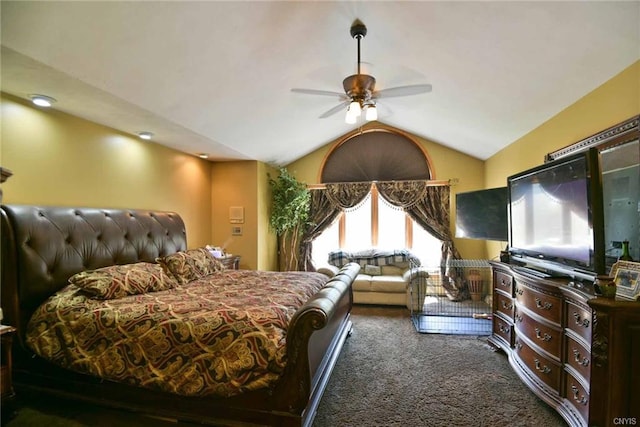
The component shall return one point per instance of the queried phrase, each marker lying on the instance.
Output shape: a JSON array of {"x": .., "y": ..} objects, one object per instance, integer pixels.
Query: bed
[{"x": 44, "y": 247}]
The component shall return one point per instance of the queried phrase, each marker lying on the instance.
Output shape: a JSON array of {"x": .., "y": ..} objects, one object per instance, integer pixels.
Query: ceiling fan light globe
[
  {"x": 354, "y": 109},
  {"x": 371, "y": 113}
]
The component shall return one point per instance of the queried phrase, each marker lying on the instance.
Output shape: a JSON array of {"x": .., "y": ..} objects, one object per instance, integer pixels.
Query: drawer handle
[
  {"x": 518, "y": 345},
  {"x": 583, "y": 361},
  {"x": 506, "y": 306},
  {"x": 518, "y": 318},
  {"x": 582, "y": 400},
  {"x": 544, "y": 306},
  {"x": 544, "y": 369},
  {"x": 545, "y": 337},
  {"x": 519, "y": 291},
  {"x": 503, "y": 328},
  {"x": 580, "y": 321}
]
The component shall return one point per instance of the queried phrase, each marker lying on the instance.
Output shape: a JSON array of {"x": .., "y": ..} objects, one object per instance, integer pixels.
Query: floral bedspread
[{"x": 220, "y": 335}]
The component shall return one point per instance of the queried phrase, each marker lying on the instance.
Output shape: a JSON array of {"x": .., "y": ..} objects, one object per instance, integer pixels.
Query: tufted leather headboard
[{"x": 43, "y": 246}]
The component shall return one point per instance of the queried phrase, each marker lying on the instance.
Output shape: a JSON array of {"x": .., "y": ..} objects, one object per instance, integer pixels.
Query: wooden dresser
[{"x": 578, "y": 353}]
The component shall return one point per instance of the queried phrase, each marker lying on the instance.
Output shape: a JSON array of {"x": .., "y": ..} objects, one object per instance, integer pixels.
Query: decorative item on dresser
[
  {"x": 626, "y": 277},
  {"x": 576, "y": 351}
]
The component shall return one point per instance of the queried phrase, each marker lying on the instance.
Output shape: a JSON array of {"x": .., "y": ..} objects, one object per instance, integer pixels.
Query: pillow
[
  {"x": 392, "y": 270},
  {"x": 372, "y": 270},
  {"x": 191, "y": 265},
  {"x": 117, "y": 281}
]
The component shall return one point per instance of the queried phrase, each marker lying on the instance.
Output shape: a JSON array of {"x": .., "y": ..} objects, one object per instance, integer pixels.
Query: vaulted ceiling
[{"x": 216, "y": 77}]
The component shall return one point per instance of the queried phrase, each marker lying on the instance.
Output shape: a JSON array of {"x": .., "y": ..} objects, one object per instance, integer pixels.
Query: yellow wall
[
  {"x": 613, "y": 102},
  {"x": 245, "y": 184},
  {"x": 466, "y": 172},
  {"x": 233, "y": 185},
  {"x": 62, "y": 160}
]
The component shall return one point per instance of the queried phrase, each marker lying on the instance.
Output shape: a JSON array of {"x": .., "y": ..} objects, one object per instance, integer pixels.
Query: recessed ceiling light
[
  {"x": 203, "y": 155},
  {"x": 145, "y": 135},
  {"x": 42, "y": 100}
]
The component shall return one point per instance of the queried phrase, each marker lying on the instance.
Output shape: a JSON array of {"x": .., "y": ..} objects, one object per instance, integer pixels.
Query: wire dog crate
[{"x": 432, "y": 311}]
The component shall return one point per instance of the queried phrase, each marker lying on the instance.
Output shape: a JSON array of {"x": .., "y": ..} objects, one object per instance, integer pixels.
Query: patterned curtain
[
  {"x": 432, "y": 213},
  {"x": 349, "y": 194},
  {"x": 403, "y": 194},
  {"x": 326, "y": 205}
]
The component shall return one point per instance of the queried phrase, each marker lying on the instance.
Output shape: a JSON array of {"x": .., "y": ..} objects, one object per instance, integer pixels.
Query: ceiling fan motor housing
[{"x": 359, "y": 87}]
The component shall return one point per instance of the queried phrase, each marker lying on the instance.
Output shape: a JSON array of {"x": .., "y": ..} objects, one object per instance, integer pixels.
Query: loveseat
[{"x": 387, "y": 277}]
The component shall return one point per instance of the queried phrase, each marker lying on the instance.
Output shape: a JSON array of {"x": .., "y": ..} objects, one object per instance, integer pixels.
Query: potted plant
[{"x": 289, "y": 216}]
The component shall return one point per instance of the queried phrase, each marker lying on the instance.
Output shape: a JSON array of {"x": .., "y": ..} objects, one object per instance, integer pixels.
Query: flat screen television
[
  {"x": 482, "y": 214},
  {"x": 556, "y": 216}
]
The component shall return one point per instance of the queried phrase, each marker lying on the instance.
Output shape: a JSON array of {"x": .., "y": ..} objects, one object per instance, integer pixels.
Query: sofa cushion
[
  {"x": 372, "y": 270},
  {"x": 362, "y": 283},
  {"x": 392, "y": 270},
  {"x": 395, "y": 284},
  {"x": 373, "y": 257}
]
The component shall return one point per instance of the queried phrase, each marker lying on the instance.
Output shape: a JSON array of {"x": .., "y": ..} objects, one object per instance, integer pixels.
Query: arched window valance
[{"x": 376, "y": 155}]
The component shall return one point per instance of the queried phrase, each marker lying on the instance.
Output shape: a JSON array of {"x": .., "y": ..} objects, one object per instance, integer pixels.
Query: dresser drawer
[
  {"x": 503, "y": 304},
  {"x": 579, "y": 320},
  {"x": 546, "y": 306},
  {"x": 575, "y": 394},
  {"x": 503, "y": 329},
  {"x": 542, "y": 367},
  {"x": 544, "y": 336},
  {"x": 503, "y": 282},
  {"x": 578, "y": 357}
]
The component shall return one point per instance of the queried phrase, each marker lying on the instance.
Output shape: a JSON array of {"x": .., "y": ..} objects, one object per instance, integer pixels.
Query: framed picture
[{"x": 625, "y": 274}]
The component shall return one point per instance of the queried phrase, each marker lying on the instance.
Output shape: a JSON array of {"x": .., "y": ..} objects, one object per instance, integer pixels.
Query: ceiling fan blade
[
  {"x": 402, "y": 91},
  {"x": 340, "y": 107},
  {"x": 319, "y": 92}
]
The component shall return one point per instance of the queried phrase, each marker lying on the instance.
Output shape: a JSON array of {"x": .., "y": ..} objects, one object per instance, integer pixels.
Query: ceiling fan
[{"x": 359, "y": 89}]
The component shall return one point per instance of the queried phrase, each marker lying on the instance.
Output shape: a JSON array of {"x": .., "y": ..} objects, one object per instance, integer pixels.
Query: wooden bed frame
[{"x": 43, "y": 246}]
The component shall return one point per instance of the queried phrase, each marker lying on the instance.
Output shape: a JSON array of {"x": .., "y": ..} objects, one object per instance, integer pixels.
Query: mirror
[
  {"x": 619, "y": 148},
  {"x": 620, "y": 189}
]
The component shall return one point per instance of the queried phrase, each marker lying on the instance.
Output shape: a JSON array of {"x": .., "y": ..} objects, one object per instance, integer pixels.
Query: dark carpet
[
  {"x": 390, "y": 375},
  {"x": 387, "y": 375}
]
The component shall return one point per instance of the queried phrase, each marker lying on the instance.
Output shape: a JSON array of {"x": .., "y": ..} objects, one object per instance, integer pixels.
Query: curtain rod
[{"x": 430, "y": 183}]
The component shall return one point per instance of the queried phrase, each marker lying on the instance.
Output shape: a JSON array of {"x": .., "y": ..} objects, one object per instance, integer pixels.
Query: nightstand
[
  {"x": 6, "y": 385},
  {"x": 231, "y": 262}
]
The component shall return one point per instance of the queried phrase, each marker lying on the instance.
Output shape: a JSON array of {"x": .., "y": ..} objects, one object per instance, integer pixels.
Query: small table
[{"x": 232, "y": 262}]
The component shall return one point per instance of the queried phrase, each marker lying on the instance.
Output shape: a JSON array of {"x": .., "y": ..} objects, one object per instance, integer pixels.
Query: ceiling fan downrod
[{"x": 358, "y": 31}]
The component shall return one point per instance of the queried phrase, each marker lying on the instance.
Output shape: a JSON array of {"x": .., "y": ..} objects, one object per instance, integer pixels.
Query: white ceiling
[{"x": 216, "y": 77}]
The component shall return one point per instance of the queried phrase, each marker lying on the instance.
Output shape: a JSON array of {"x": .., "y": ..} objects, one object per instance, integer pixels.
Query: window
[
  {"x": 377, "y": 224},
  {"x": 357, "y": 226}
]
